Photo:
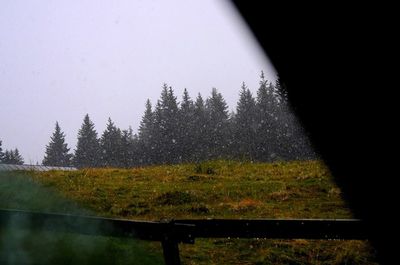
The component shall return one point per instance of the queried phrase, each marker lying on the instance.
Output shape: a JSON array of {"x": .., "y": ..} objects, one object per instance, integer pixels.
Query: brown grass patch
[
  {"x": 281, "y": 195},
  {"x": 245, "y": 205}
]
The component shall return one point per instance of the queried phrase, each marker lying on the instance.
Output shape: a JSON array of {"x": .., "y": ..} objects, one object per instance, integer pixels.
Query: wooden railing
[{"x": 172, "y": 233}]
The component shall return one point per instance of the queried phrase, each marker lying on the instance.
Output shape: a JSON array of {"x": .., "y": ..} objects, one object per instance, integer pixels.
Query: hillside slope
[{"x": 221, "y": 189}]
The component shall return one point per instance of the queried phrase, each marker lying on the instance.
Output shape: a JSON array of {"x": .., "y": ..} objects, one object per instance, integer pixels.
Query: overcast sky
[{"x": 62, "y": 59}]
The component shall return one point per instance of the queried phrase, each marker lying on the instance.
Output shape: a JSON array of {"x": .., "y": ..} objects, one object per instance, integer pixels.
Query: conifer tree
[
  {"x": 1, "y": 153},
  {"x": 128, "y": 148},
  {"x": 186, "y": 136},
  {"x": 16, "y": 157},
  {"x": 292, "y": 142},
  {"x": 12, "y": 157},
  {"x": 167, "y": 127},
  {"x": 87, "y": 153},
  {"x": 200, "y": 129},
  {"x": 111, "y": 145},
  {"x": 285, "y": 144},
  {"x": 218, "y": 127},
  {"x": 266, "y": 121},
  {"x": 7, "y": 158},
  {"x": 57, "y": 150},
  {"x": 146, "y": 142},
  {"x": 245, "y": 125}
]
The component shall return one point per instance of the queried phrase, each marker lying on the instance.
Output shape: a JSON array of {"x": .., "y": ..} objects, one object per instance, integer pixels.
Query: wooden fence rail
[{"x": 171, "y": 233}]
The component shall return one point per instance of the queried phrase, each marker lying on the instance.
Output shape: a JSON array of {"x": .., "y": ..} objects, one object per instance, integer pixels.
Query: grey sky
[{"x": 62, "y": 59}]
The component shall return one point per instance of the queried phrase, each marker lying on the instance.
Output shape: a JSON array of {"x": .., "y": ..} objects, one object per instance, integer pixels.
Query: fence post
[{"x": 171, "y": 252}]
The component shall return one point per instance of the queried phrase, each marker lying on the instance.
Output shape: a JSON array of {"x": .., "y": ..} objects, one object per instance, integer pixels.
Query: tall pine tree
[
  {"x": 8, "y": 157},
  {"x": 16, "y": 157},
  {"x": 200, "y": 120},
  {"x": 111, "y": 146},
  {"x": 217, "y": 125},
  {"x": 57, "y": 150},
  {"x": 186, "y": 136},
  {"x": 245, "y": 125},
  {"x": 292, "y": 142},
  {"x": 146, "y": 136},
  {"x": 1, "y": 152},
  {"x": 167, "y": 127},
  {"x": 267, "y": 130},
  {"x": 87, "y": 153},
  {"x": 287, "y": 143},
  {"x": 128, "y": 148}
]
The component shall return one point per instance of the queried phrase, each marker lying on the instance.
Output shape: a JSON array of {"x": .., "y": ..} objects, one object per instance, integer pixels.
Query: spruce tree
[
  {"x": 267, "y": 129},
  {"x": 1, "y": 153},
  {"x": 7, "y": 157},
  {"x": 146, "y": 144},
  {"x": 286, "y": 143},
  {"x": 245, "y": 125},
  {"x": 57, "y": 150},
  {"x": 16, "y": 157},
  {"x": 167, "y": 128},
  {"x": 157, "y": 147},
  {"x": 217, "y": 125},
  {"x": 12, "y": 157},
  {"x": 292, "y": 141},
  {"x": 200, "y": 141},
  {"x": 186, "y": 136},
  {"x": 111, "y": 145},
  {"x": 87, "y": 153},
  {"x": 136, "y": 151},
  {"x": 128, "y": 148}
]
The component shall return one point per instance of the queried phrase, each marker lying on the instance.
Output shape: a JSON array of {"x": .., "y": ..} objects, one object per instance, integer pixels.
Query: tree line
[
  {"x": 261, "y": 129},
  {"x": 10, "y": 156}
]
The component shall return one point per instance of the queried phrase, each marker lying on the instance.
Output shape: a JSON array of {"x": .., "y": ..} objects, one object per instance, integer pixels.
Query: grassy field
[{"x": 219, "y": 189}]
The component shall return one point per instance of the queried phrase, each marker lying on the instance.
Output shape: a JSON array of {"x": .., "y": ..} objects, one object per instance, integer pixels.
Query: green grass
[
  {"x": 220, "y": 189},
  {"x": 232, "y": 190},
  {"x": 19, "y": 191}
]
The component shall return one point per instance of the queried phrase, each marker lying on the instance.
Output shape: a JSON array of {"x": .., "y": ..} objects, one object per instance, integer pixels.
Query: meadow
[{"x": 216, "y": 189}]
